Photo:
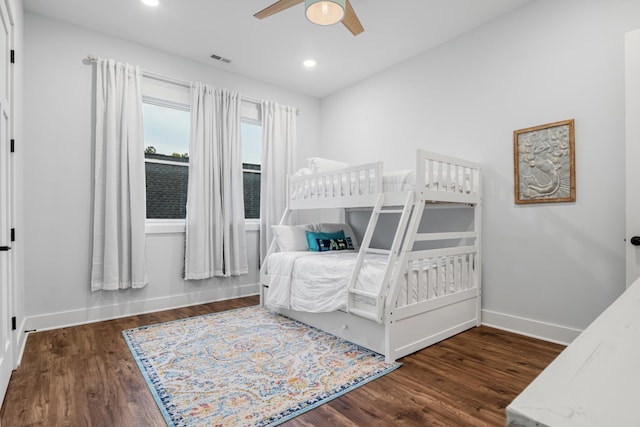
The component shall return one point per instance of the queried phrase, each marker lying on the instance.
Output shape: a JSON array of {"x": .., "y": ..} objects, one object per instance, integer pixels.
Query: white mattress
[
  {"x": 405, "y": 180},
  {"x": 402, "y": 180},
  {"x": 317, "y": 281}
]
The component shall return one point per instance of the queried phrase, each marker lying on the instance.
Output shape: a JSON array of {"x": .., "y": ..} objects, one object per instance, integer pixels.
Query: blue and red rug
[{"x": 246, "y": 367}]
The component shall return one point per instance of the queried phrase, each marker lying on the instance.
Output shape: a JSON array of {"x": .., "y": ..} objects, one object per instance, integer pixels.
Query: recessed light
[
  {"x": 151, "y": 2},
  {"x": 309, "y": 63}
]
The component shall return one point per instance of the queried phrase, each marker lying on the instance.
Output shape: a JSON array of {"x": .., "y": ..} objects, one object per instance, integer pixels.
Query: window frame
[
  {"x": 248, "y": 117},
  {"x": 251, "y": 112},
  {"x": 165, "y": 225}
]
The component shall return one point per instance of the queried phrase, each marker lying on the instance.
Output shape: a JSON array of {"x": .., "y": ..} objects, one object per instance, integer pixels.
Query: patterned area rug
[{"x": 246, "y": 367}]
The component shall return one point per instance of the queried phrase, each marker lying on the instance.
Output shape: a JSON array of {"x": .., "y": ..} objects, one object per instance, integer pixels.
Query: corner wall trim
[
  {"x": 529, "y": 327},
  {"x": 20, "y": 342},
  {"x": 83, "y": 316}
]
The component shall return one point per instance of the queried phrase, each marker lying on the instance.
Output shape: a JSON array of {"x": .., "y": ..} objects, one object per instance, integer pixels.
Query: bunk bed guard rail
[{"x": 351, "y": 187}]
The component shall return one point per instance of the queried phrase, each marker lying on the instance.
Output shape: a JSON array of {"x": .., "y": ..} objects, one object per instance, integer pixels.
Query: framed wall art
[{"x": 544, "y": 159}]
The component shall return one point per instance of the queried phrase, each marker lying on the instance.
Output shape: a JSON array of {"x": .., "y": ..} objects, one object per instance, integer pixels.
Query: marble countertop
[{"x": 595, "y": 381}]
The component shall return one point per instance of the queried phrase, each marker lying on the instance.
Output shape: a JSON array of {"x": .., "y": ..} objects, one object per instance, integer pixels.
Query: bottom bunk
[
  {"x": 408, "y": 329},
  {"x": 434, "y": 295}
]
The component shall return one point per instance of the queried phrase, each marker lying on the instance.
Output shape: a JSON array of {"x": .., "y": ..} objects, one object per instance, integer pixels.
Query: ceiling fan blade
[
  {"x": 351, "y": 20},
  {"x": 276, "y": 7}
]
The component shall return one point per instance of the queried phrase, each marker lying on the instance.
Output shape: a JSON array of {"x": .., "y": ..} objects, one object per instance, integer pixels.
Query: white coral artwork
[{"x": 545, "y": 163}]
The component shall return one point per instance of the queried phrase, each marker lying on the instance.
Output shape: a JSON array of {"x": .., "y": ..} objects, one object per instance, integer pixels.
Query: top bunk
[{"x": 436, "y": 179}]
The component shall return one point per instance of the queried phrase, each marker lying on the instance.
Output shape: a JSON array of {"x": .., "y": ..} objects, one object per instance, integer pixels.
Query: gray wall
[
  {"x": 58, "y": 174},
  {"x": 553, "y": 265},
  {"x": 549, "y": 270}
]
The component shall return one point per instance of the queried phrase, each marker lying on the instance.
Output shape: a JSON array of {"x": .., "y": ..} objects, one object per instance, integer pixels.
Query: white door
[
  {"x": 6, "y": 204},
  {"x": 632, "y": 154}
]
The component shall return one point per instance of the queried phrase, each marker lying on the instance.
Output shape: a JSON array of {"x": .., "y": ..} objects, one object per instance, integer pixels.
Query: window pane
[
  {"x": 166, "y": 130},
  {"x": 166, "y": 141},
  {"x": 251, "y": 154},
  {"x": 166, "y": 190},
  {"x": 251, "y": 143},
  {"x": 251, "y": 182}
]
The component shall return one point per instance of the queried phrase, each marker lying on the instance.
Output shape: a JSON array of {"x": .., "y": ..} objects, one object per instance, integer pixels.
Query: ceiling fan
[{"x": 320, "y": 12}]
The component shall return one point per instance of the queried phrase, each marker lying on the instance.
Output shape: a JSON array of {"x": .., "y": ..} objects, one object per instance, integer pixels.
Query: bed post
[
  {"x": 272, "y": 248},
  {"x": 478, "y": 229}
]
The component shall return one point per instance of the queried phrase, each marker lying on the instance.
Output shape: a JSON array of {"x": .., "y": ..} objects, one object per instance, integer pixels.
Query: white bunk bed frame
[{"x": 441, "y": 304}]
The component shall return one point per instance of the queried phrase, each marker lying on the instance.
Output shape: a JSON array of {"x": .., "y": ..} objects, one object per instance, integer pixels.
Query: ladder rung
[
  {"x": 393, "y": 211},
  {"x": 363, "y": 313},
  {"x": 377, "y": 251},
  {"x": 363, "y": 293}
]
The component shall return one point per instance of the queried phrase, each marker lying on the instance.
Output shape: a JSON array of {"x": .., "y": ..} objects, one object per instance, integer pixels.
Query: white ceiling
[{"x": 272, "y": 50}]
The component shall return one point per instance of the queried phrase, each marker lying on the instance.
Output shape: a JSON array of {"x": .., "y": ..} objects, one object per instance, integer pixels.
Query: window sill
[
  {"x": 176, "y": 226},
  {"x": 252, "y": 225},
  {"x": 164, "y": 226}
]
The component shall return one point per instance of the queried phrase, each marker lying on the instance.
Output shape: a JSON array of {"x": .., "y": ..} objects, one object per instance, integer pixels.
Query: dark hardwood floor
[{"x": 86, "y": 376}]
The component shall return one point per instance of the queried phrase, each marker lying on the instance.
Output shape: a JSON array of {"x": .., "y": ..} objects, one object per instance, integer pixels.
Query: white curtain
[
  {"x": 279, "y": 140},
  {"x": 215, "y": 228},
  {"x": 119, "y": 193}
]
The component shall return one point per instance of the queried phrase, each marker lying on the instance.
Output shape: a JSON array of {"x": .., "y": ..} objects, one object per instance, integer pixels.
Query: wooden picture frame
[{"x": 544, "y": 160}]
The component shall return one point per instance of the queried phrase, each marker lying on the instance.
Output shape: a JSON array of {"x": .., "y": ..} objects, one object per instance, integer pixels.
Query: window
[
  {"x": 251, "y": 134},
  {"x": 166, "y": 142}
]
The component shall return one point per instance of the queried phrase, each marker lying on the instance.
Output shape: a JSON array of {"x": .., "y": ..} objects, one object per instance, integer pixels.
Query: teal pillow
[{"x": 312, "y": 238}]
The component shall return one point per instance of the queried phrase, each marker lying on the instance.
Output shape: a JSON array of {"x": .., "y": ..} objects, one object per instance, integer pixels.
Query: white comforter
[{"x": 317, "y": 281}]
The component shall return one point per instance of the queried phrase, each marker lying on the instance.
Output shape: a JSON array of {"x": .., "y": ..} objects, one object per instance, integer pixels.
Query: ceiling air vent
[{"x": 221, "y": 59}]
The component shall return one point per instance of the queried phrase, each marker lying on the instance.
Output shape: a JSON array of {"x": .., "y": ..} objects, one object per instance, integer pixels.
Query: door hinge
[
  {"x": 13, "y": 56},
  {"x": 12, "y": 145},
  {"x": 13, "y": 323},
  {"x": 5, "y": 248},
  {"x": 13, "y": 234}
]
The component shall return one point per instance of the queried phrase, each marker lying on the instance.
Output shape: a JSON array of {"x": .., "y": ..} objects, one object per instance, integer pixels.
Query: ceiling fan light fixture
[{"x": 325, "y": 12}]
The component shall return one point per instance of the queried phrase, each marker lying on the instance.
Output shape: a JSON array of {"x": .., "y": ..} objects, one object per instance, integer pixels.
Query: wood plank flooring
[{"x": 86, "y": 376}]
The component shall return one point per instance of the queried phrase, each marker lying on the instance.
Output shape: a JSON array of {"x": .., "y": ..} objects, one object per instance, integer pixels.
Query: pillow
[
  {"x": 291, "y": 237},
  {"x": 334, "y": 244},
  {"x": 325, "y": 227},
  {"x": 303, "y": 172},
  {"x": 319, "y": 165},
  {"x": 312, "y": 238}
]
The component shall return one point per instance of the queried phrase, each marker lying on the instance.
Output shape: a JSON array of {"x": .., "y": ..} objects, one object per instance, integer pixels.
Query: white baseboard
[
  {"x": 20, "y": 342},
  {"x": 531, "y": 328},
  {"x": 82, "y": 316}
]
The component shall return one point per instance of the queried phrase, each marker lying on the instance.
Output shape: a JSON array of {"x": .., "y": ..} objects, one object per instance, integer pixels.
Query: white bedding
[
  {"x": 402, "y": 180},
  {"x": 317, "y": 282},
  {"x": 405, "y": 180}
]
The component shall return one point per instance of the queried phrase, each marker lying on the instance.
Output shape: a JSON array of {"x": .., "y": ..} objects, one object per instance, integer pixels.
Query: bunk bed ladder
[{"x": 392, "y": 255}]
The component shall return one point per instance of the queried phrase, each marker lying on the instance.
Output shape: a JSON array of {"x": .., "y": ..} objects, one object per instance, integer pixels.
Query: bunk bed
[{"x": 394, "y": 300}]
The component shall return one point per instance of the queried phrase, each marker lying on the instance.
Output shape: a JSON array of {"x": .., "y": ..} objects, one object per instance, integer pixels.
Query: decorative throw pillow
[
  {"x": 326, "y": 227},
  {"x": 335, "y": 244},
  {"x": 312, "y": 238},
  {"x": 291, "y": 237},
  {"x": 303, "y": 172}
]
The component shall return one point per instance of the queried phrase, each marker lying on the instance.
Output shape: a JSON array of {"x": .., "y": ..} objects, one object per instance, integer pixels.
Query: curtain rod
[{"x": 168, "y": 79}]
